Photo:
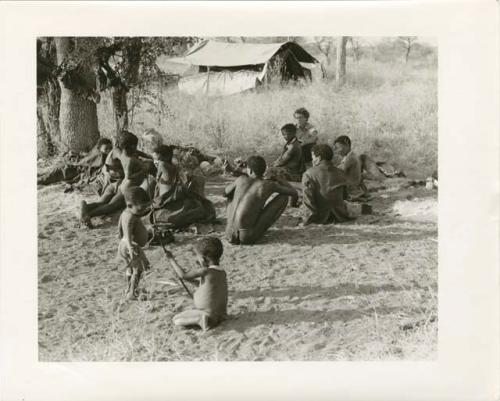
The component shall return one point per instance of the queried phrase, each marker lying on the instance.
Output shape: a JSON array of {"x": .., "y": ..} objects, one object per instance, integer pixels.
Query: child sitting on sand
[
  {"x": 133, "y": 235},
  {"x": 210, "y": 299}
]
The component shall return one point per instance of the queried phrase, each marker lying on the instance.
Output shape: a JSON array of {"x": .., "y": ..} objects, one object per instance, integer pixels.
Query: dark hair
[
  {"x": 165, "y": 151},
  {"x": 323, "y": 151},
  {"x": 127, "y": 141},
  {"x": 104, "y": 141},
  {"x": 210, "y": 248},
  {"x": 343, "y": 139},
  {"x": 135, "y": 195},
  {"x": 290, "y": 128},
  {"x": 302, "y": 111},
  {"x": 257, "y": 164}
]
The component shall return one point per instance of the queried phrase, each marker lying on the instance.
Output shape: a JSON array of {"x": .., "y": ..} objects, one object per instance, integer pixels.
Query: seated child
[
  {"x": 290, "y": 165},
  {"x": 133, "y": 236},
  {"x": 167, "y": 175},
  {"x": 349, "y": 164},
  {"x": 135, "y": 171},
  {"x": 249, "y": 214},
  {"x": 210, "y": 299},
  {"x": 191, "y": 174}
]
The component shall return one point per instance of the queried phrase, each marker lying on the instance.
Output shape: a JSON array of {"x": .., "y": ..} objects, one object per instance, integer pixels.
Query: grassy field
[{"x": 388, "y": 109}]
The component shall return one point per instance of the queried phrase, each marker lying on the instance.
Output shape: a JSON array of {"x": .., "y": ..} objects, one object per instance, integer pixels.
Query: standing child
[
  {"x": 210, "y": 299},
  {"x": 133, "y": 236}
]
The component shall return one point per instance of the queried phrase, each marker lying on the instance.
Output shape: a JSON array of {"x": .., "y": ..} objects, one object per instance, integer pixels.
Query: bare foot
[{"x": 204, "y": 323}]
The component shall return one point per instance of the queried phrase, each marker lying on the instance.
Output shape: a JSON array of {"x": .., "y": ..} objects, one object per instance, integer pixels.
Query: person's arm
[
  {"x": 283, "y": 187},
  {"x": 229, "y": 190},
  {"x": 141, "y": 173},
  {"x": 191, "y": 275},
  {"x": 285, "y": 157},
  {"x": 143, "y": 155},
  {"x": 308, "y": 190}
]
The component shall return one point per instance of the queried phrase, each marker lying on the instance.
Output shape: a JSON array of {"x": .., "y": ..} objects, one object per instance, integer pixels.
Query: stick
[{"x": 155, "y": 228}]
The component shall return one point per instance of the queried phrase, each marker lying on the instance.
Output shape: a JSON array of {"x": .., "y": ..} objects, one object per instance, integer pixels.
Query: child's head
[
  {"x": 256, "y": 166},
  {"x": 163, "y": 153},
  {"x": 137, "y": 200},
  {"x": 288, "y": 131},
  {"x": 209, "y": 250},
  {"x": 342, "y": 145},
  {"x": 127, "y": 142},
  {"x": 104, "y": 145},
  {"x": 189, "y": 162},
  {"x": 301, "y": 115},
  {"x": 151, "y": 139},
  {"x": 321, "y": 152}
]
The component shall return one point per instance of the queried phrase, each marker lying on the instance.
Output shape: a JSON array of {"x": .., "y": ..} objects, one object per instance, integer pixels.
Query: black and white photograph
[
  {"x": 259, "y": 200},
  {"x": 237, "y": 198}
]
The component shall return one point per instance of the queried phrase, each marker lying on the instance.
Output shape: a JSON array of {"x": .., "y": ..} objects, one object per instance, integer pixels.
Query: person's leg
[
  {"x": 85, "y": 208},
  {"x": 192, "y": 317},
  {"x": 116, "y": 204},
  {"x": 271, "y": 212},
  {"x": 192, "y": 212}
]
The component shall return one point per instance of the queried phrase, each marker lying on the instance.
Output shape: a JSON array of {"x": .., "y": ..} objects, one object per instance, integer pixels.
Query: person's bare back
[{"x": 249, "y": 214}]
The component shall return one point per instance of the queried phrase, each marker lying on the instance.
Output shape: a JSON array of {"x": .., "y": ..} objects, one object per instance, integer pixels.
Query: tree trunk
[
  {"x": 45, "y": 147},
  {"x": 120, "y": 110},
  {"x": 48, "y": 100},
  {"x": 53, "y": 94},
  {"x": 341, "y": 58},
  {"x": 407, "y": 55},
  {"x": 132, "y": 58},
  {"x": 78, "y": 115}
]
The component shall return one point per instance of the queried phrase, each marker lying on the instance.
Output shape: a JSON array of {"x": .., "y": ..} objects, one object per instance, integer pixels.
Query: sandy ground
[{"x": 365, "y": 290}]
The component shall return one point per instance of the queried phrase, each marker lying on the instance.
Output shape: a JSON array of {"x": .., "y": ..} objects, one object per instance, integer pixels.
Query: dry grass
[{"x": 389, "y": 111}]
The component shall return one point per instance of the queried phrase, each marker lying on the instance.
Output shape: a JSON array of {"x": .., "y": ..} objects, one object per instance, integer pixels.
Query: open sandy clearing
[{"x": 360, "y": 291}]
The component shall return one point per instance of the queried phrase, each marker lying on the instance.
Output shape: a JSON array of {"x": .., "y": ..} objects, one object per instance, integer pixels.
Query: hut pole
[{"x": 208, "y": 79}]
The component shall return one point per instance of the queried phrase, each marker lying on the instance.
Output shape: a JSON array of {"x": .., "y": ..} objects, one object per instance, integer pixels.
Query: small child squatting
[
  {"x": 210, "y": 298},
  {"x": 133, "y": 236}
]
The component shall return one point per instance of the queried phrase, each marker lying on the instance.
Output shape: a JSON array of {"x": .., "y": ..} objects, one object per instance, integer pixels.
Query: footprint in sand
[{"x": 47, "y": 278}]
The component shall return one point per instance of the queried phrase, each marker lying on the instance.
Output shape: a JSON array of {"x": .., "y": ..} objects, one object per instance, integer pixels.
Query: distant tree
[
  {"x": 355, "y": 47},
  {"x": 341, "y": 61},
  {"x": 407, "y": 43}
]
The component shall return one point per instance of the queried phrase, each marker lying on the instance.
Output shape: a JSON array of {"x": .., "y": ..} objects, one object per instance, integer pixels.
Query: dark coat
[{"x": 323, "y": 193}]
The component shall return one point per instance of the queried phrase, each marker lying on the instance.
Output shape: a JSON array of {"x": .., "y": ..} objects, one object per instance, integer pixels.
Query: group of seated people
[
  {"x": 177, "y": 189},
  {"x": 153, "y": 190}
]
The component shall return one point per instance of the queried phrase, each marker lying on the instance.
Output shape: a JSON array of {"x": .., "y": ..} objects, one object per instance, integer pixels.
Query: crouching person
[
  {"x": 250, "y": 213},
  {"x": 210, "y": 298}
]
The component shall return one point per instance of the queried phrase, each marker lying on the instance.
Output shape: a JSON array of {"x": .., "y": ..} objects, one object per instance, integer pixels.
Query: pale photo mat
[{"x": 467, "y": 367}]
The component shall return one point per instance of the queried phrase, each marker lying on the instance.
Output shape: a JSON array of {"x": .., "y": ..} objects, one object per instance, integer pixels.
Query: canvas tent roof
[{"x": 220, "y": 54}]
